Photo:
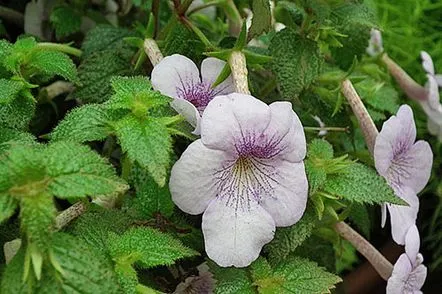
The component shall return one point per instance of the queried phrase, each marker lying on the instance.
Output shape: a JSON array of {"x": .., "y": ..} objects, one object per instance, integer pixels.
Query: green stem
[
  {"x": 199, "y": 33},
  {"x": 234, "y": 17},
  {"x": 335, "y": 129},
  {"x": 12, "y": 16},
  {"x": 61, "y": 47}
]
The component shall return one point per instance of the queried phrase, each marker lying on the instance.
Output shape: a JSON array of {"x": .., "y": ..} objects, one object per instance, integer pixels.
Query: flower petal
[
  {"x": 210, "y": 70},
  {"x": 174, "y": 72},
  {"x": 192, "y": 177},
  {"x": 235, "y": 235},
  {"x": 417, "y": 163},
  {"x": 433, "y": 98},
  {"x": 427, "y": 62},
  {"x": 228, "y": 119},
  {"x": 438, "y": 78},
  {"x": 287, "y": 129},
  {"x": 189, "y": 111},
  {"x": 401, "y": 271},
  {"x": 412, "y": 243},
  {"x": 383, "y": 214},
  {"x": 289, "y": 193},
  {"x": 397, "y": 135},
  {"x": 403, "y": 217},
  {"x": 419, "y": 274}
]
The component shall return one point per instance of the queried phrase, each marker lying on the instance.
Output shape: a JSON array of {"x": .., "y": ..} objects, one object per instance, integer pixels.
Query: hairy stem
[
  {"x": 152, "y": 51},
  {"x": 57, "y": 88},
  {"x": 237, "y": 62},
  {"x": 367, "y": 125},
  {"x": 12, "y": 16},
  {"x": 377, "y": 260},
  {"x": 407, "y": 84},
  {"x": 60, "y": 47},
  {"x": 68, "y": 215}
]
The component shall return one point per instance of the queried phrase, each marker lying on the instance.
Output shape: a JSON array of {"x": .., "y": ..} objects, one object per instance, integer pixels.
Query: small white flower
[
  {"x": 375, "y": 44},
  {"x": 178, "y": 77},
  {"x": 246, "y": 175}
]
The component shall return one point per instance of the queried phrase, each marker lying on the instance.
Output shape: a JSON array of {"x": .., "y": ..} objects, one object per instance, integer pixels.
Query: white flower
[
  {"x": 375, "y": 44},
  {"x": 246, "y": 174},
  {"x": 178, "y": 77}
]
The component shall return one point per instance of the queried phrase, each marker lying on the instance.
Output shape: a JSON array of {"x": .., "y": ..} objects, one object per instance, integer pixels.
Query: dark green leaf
[
  {"x": 65, "y": 20},
  {"x": 262, "y": 18},
  {"x": 104, "y": 37},
  {"x": 232, "y": 280},
  {"x": 8, "y": 205}
]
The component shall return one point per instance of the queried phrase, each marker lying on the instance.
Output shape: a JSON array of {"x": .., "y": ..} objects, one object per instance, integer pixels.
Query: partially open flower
[
  {"x": 178, "y": 77},
  {"x": 246, "y": 174},
  {"x": 409, "y": 273},
  {"x": 375, "y": 44},
  {"x": 431, "y": 105},
  {"x": 405, "y": 165}
]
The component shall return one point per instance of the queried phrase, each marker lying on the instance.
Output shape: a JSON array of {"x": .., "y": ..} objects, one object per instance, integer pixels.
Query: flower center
[{"x": 199, "y": 94}]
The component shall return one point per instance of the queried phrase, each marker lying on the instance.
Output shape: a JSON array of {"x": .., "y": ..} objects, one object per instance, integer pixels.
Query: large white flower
[
  {"x": 406, "y": 165},
  {"x": 178, "y": 77},
  {"x": 246, "y": 174}
]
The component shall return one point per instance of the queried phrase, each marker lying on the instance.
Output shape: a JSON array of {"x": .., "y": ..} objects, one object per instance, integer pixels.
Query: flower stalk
[
  {"x": 367, "y": 125},
  {"x": 410, "y": 86},
  {"x": 68, "y": 215},
  {"x": 237, "y": 62},
  {"x": 152, "y": 51},
  {"x": 377, "y": 260},
  {"x": 61, "y": 48}
]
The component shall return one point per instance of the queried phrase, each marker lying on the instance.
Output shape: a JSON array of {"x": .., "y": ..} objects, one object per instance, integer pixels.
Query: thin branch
[
  {"x": 237, "y": 62},
  {"x": 367, "y": 125},
  {"x": 377, "y": 260},
  {"x": 68, "y": 215}
]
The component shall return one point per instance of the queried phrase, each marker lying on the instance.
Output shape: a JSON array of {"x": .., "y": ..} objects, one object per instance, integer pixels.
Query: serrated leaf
[
  {"x": 262, "y": 18},
  {"x": 147, "y": 247},
  {"x": 11, "y": 137},
  {"x": 287, "y": 239},
  {"x": 150, "y": 198},
  {"x": 65, "y": 20},
  {"x": 232, "y": 280},
  {"x": 17, "y": 114},
  {"x": 147, "y": 142},
  {"x": 378, "y": 95},
  {"x": 86, "y": 123},
  {"x": 8, "y": 205},
  {"x": 17, "y": 53},
  {"x": 51, "y": 63},
  {"x": 79, "y": 176},
  {"x": 9, "y": 89},
  {"x": 296, "y": 62},
  {"x": 297, "y": 275},
  {"x": 103, "y": 37},
  {"x": 317, "y": 174},
  {"x": 318, "y": 250},
  {"x": 360, "y": 217},
  {"x": 359, "y": 183},
  {"x": 96, "y": 70}
]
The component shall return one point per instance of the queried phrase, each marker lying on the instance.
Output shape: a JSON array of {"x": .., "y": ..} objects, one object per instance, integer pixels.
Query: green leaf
[
  {"x": 9, "y": 89},
  {"x": 296, "y": 62},
  {"x": 17, "y": 54},
  {"x": 65, "y": 20},
  {"x": 318, "y": 150},
  {"x": 262, "y": 18},
  {"x": 359, "y": 183},
  {"x": 147, "y": 247},
  {"x": 318, "y": 250},
  {"x": 12, "y": 277},
  {"x": 86, "y": 123},
  {"x": 297, "y": 275},
  {"x": 378, "y": 95},
  {"x": 11, "y": 137},
  {"x": 355, "y": 20},
  {"x": 8, "y": 205},
  {"x": 360, "y": 217},
  {"x": 289, "y": 238},
  {"x": 136, "y": 94},
  {"x": 37, "y": 215},
  {"x": 51, "y": 63},
  {"x": 147, "y": 142},
  {"x": 79, "y": 176},
  {"x": 17, "y": 114},
  {"x": 232, "y": 280},
  {"x": 150, "y": 198},
  {"x": 104, "y": 37},
  {"x": 96, "y": 70}
]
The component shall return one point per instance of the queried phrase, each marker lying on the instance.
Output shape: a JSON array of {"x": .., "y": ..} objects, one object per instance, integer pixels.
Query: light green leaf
[
  {"x": 11, "y": 137},
  {"x": 147, "y": 247},
  {"x": 65, "y": 20},
  {"x": 8, "y": 205},
  {"x": 147, "y": 142},
  {"x": 77, "y": 171},
  {"x": 9, "y": 89},
  {"x": 262, "y": 18},
  {"x": 296, "y": 275},
  {"x": 378, "y": 95},
  {"x": 296, "y": 62},
  {"x": 359, "y": 183},
  {"x": 51, "y": 63},
  {"x": 17, "y": 54},
  {"x": 17, "y": 114},
  {"x": 86, "y": 123}
]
